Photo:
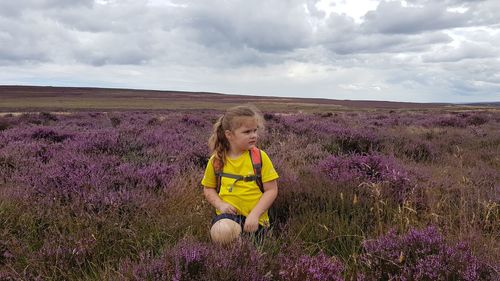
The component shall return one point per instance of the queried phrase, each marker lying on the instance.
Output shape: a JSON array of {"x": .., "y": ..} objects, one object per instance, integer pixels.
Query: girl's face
[{"x": 244, "y": 137}]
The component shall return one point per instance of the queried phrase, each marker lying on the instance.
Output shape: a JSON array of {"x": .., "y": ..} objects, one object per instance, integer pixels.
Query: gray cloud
[
  {"x": 238, "y": 33},
  {"x": 343, "y": 36},
  {"x": 464, "y": 51},
  {"x": 381, "y": 43},
  {"x": 27, "y": 42},
  {"x": 17, "y": 8},
  {"x": 482, "y": 73},
  {"x": 392, "y": 17},
  {"x": 448, "y": 45},
  {"x": 338, "y": 28},
  {"x": 92, "y": 34},
  {"x": 114, "y": 49},
  {"x": 262, "y": 25},
  {"x": 476, "y": 12},
  {"x": 313, "y": 10}
]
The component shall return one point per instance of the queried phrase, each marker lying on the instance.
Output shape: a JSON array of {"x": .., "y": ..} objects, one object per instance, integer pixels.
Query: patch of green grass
[{"x": 115, "y": 103}]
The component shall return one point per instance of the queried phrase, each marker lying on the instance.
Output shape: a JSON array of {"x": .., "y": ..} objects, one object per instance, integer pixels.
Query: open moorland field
[
  {"x": 35, "y": 99},
  {"x": 107, "y": 187}
]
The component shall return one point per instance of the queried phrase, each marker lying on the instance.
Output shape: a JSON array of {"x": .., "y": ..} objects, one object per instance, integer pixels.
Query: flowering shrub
[
  {"x": 419, "y": 150},
  {"x": 335, "y": 135},
  {"x": 306, "y": 268},
  {"x": 191, "y": 260},
  {"x": 477, "y": 119},
  {"x": 70, "y": 160},
  {"x": 65, "y": 254},
  {"x": 446, "y": 121},
  {"x": 147, "y": 268},
  {"x": 345, "y": 141},
  {"x": 420, "y": 255},
  {"x": 49, "y": 134},
  {"x": 4, "y": 124},
  {"x": 371, "y": 169},
  {"x": 82, "y": 194}
]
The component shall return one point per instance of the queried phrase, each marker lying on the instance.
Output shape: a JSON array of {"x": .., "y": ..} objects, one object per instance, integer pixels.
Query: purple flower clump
[
  {"x": 477, "y": 119},
  {"x": 420, "y": 255},
  {"x": 352, "y": 141},
  {"x": 310, "y": 268},
  {"x": 66, "y": 253},
  {"x": 419, "y": 150},
  {"x": 445, "y": 121},
  {"x": 371, "y": 169},
  {"x": 192, "y": 260},
  {"x": 337, "y": 136}
]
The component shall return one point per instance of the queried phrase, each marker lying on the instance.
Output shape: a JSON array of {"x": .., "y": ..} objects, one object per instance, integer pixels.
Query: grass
[
  {"x": 112, "y": 104},
  {"x": 69, "y": 241}
]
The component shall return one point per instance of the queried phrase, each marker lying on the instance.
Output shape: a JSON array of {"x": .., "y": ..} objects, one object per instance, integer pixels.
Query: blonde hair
[{"x": 231, "y": 120}]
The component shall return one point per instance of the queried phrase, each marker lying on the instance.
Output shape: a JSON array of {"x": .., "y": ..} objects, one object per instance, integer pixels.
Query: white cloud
[
  {"x": 415, "y": 50},
  {"x": 466, "y": 50},
  {"x": 353, "y": 9}
]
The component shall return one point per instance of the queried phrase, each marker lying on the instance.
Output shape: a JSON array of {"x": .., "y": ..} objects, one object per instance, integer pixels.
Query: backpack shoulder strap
[
  {"x": 217, "y": 163},
  {"x": 256, "y": 158}
]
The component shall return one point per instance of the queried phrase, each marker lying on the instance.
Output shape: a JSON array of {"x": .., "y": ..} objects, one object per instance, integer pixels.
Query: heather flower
[
  {"x": 7, "y": 166},
  {"x": 48, "y": 116},
  {"x": 419, "y": 150},
  {"x": 188, "y": 261},
  {"x": 66, "y": 253},
  {"x": 49, "y": 134},
  {"x": 147, "y": 268},
  {"x": 37, "y": 134},
  {"x": 193, "y": 121},
  {"x": 19, "y": 158},
  {"x": 420, "y": 255},
  {"x": 477, "y": 119},
  {"x": 310, "y": 268},
  {"x": 115, "y": 166},
  {"x": 270, "y": 116},
  {"x": 369, "y": 169},
  {"x": 191, "y": 260},
  {"x": 4, "y": 124},
  {"x": 359, "y": 141},
  {"x": 97, "y": 142},
  {"x": 115, "y": 121},
  {"x": 445, "y": 121}
]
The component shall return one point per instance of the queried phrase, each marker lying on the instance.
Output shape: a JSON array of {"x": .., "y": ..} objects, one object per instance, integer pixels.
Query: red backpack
[{"x": 255, "y": 157}]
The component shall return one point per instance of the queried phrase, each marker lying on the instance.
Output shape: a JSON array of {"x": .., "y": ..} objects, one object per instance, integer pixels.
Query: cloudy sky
[{"x": 415, "y": 50}]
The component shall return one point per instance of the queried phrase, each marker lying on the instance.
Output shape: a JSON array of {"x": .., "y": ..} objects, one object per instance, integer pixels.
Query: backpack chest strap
[{"x": 237, "y": 178}]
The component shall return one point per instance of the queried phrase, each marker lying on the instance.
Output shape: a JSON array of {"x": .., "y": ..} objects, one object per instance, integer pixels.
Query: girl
[{"x": 231, "y": 184}]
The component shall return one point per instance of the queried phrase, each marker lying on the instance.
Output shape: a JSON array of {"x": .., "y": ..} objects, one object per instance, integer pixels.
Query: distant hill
[
  {"x": 493, "y": 104},
  {"x": 32, "y": 98}
]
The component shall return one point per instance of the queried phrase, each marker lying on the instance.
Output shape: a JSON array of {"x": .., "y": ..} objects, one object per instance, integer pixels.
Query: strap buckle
[{"x": 249, "y": 178}]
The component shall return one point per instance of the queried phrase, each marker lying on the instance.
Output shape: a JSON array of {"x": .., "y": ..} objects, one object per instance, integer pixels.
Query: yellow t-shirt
[{"x": 244, "y": 195}]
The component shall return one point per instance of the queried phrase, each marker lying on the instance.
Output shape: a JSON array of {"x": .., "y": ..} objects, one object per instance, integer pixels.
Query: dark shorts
[{"x": 259, "y": 234}]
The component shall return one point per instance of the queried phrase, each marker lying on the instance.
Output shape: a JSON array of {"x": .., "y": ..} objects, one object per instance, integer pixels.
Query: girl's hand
[
  {"x": 251, "y": 223},
  {"x": 227, "y": 208}
]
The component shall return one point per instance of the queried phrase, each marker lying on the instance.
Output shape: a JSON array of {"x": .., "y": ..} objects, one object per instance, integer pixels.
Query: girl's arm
[
  {"x": 214, "y": 199},
  {"x": 265, "y": 202}
]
